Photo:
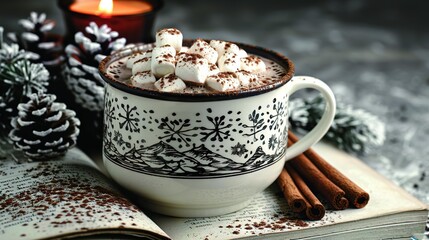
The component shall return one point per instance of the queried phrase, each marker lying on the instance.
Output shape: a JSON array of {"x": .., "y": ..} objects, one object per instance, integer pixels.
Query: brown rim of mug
[{"x": 282, "y": 60}]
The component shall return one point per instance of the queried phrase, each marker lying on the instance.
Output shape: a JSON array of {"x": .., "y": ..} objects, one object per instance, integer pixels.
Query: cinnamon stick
[
  {"x": 355, "y": 195},
  {"x": 318, "y": 182},
  {"x": 293, "y": 196},
  {"x": 314, "y": 209}
]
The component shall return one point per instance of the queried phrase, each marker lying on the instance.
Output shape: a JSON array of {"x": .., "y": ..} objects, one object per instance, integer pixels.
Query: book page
[
  {"x": 267, "y": 212},
  {"x": 63, "y": 198}
]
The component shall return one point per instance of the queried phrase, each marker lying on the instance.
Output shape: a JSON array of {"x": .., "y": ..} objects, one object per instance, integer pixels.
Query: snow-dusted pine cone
[
  {"x": 18, "y": 79},
  {"x": 44, "y": 128},
  {"x": 83, "y": 58},
  {"x": 36, "y": 38}
]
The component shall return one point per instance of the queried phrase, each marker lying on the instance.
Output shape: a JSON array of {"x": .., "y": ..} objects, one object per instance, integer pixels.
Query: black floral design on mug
[
  {"x": 239, "y": 149},
  {"x": 257, "y": 125},
  {"x": 190, "y": 147},
  {"x": 130, "y": 119},
  {"x": 278, "y": 117},
  {"x": 109, "y": 110},
  {"x": 179, "y": 130},
  {"x": 219, "y": 132}
]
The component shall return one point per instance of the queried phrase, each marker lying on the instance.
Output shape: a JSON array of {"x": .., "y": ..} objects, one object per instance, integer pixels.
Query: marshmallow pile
[{"x": 170, "y": 67}]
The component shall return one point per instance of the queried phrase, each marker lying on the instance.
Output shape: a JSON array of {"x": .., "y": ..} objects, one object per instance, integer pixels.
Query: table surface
[{"x": 373, "y": 54}]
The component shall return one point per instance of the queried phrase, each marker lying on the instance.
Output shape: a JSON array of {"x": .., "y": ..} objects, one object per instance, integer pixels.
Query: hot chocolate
[
  {"x": 201, "y": 67},
  {"x": 203, "y": 121}
]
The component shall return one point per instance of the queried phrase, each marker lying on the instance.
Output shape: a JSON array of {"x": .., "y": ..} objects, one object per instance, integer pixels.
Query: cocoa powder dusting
[
  {"x": 172, "y": 31},
  {"x": 143, "y": 60},
  {"x": 227, "y": 75},
  {"x": 275, "y": 223},
  {"x": 59, "y": 199},
  {"x": 212, "y": 67},
  {"x": 193, "y": 58}
]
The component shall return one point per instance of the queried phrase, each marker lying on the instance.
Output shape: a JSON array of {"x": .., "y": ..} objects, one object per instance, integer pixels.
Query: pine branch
[
  {"x": 10, "y": 53},
  {"x": 353, "y": 130},
  {"x": 19, "y": 78},
  {"x": 25, "y": 77}
]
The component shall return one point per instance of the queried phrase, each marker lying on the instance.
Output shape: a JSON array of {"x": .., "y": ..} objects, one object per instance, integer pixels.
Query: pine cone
[
  {"x": 44, "y": 128},
  {"x": 18, "y": 79},
  {"x": 5, "y": 115},
  {"x": 46, "y": 47},
  {"x": 83, "y": 58}
]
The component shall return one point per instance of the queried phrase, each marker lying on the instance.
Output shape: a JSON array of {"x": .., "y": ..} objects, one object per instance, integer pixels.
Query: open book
[{"x": 70, "y": 197}]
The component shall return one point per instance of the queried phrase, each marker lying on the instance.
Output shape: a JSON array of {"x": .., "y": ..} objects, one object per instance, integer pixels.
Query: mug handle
[{"x": 300, "y": 82}]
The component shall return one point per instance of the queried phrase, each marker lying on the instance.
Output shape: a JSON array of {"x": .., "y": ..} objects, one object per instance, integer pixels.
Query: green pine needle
[
  {"x": 353, "y": 130},
  {"x": 19, "y": 78},
  {"x": 25, "y": 77},
  {"x": 10, "y": 53}
]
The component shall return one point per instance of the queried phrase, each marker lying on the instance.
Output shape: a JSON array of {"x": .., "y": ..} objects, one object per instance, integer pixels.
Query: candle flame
[{"x": 105, "y": 7}]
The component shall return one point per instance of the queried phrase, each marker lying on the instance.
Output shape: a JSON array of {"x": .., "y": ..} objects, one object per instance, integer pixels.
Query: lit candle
[
  {"x": 107, "y": 8},
  {"x": 132, "y": 19}
]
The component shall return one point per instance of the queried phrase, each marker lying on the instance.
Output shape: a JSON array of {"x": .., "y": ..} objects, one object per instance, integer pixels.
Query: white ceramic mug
[{"x": 205, "y": 154}]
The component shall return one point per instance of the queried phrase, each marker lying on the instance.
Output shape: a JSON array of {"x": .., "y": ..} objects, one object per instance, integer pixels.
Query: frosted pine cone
[
  {"x": 18, "y": 78},
  {"x": 44, "y": 128},
  {"x": 36, "y": 38},
  {"x": 83, "y": 58}
]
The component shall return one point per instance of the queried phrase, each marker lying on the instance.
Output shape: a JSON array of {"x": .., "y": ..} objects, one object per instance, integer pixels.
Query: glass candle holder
[{"x": 132, "y": 19}]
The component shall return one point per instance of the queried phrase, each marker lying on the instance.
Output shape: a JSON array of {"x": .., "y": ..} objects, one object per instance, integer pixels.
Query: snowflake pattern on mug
[
  {"x": 179, "y": 130},
  {"x": 198, "y": 145}
]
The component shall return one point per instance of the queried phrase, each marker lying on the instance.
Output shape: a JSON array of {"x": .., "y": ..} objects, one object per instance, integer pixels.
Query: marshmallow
[
  {"x": 142, "y": 78},
  {"x": 222, "y": 47},
  {"x": 137, "y": 56},
  {"x": 170, "y": 83},
  {"x": 223, "y": 81},
  {"x": 252, "y": 64},
  {"x": 204, "y": 49},
  {"x": 141, "y": 65},
  {"x": 163, "y": 60},
  {"x": 192, "y": 68},
  {"x": 169, "y": 36},
  {"x": 229, "y": 62},
  {"x": 242, "y": 53},
  {"x": 213, "y": 69},
  {"x": 183, "y": 49},
  {"x": 245, "y": 77}
]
